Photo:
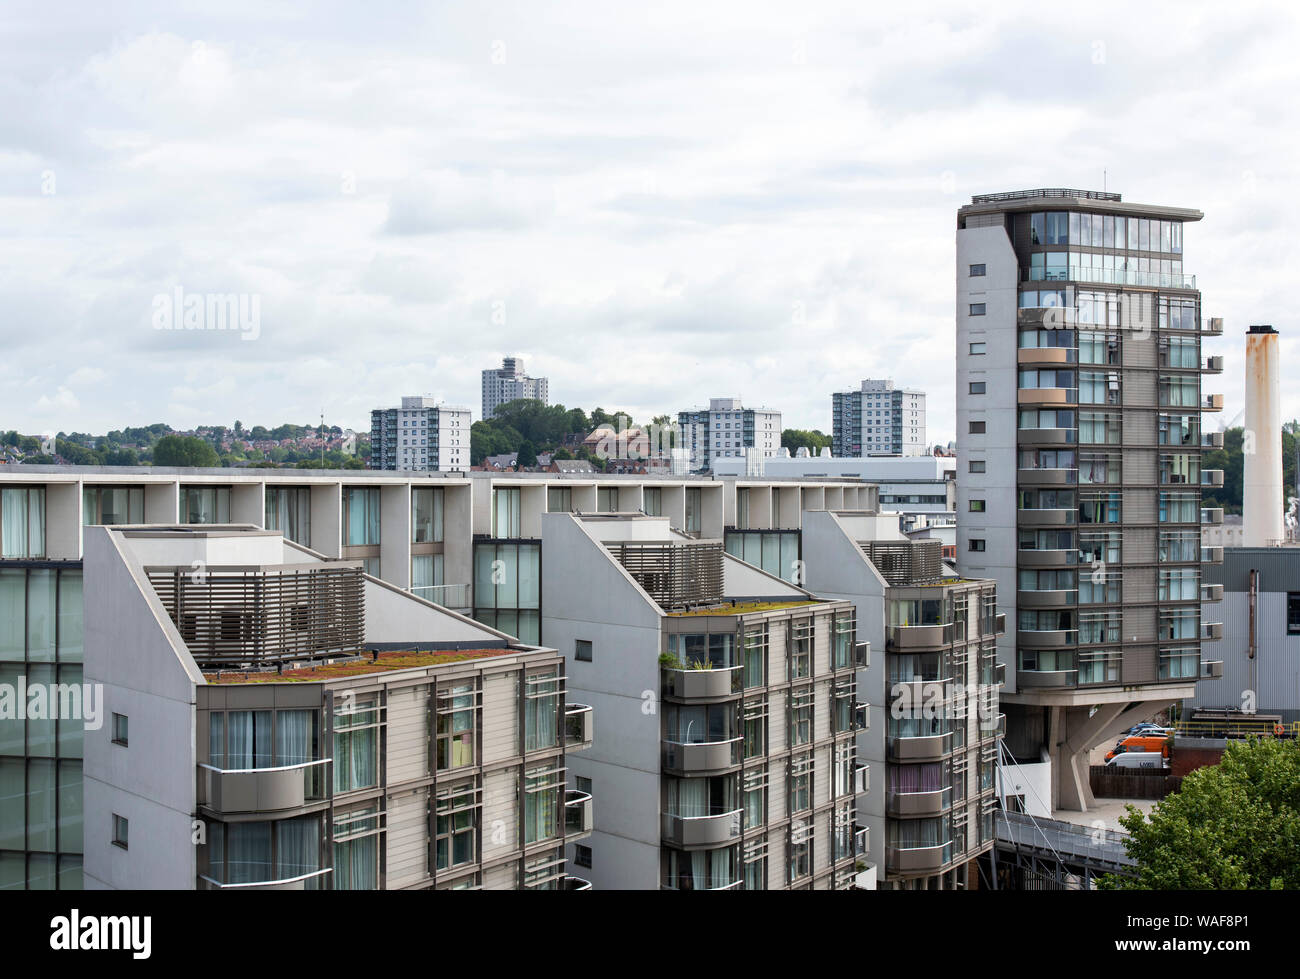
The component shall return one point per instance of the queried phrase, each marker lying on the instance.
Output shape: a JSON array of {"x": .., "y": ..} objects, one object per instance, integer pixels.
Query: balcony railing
[
  {"x": 900, "y": 637},
  {"x": 1211, "y": 669},
  {"x": 709, "y": 830},
  {"x": 1212, "y": 515},
  {"x": 919, "y": 803},
  {"x": 1211, "y": 440},
  {"x": 862, "y": 655},
  {"x": 448, "y": 596},
  {"x": 1211, "y": 477},
  {"x": 1212, "y": 402},
  {"x": 577, "y": 813},
  {"x": 1047, "y": 436},
  {"x": 1211, "y": 631},
  {"x": 1211, "y": 593},
  {"x": 928, "y": 748},
  {"x": 577, "y": 727},
  {"x": 1029, "y": 557},
  {"x": 1047, "y": 638},
  {"x": 1041, "y": 476},
  {"x": 241, "y": 790},
  {"x": 711, "y": 684},
  {"x": 571, "y": 883},
  {"x": 297, "y": 883},
  {"x": 1114, "y": 277},
  {"x": 1047, "y": 598},
  {"x": 906, "y": 859},
  {"x": 686, "y": 883},
  {"x": 861, "y": 779},
  {"x": 1214, "y": 364},
  {"x": 702, "y": 756},
  {"x": 1054, "y": 517},
  {"x": 1047, "y": 678},
  {"x": 1212, "y": 555}
]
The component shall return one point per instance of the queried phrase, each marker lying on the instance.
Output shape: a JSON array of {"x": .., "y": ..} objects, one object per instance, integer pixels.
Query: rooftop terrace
[{"x": 744, "y": 608}]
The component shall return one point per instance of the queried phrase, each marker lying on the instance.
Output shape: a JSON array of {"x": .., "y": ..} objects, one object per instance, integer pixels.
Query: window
[
  {"x": 801, "y": 783},
  {"x": 541, "y": 710},
  {"x": 977, "y": 428},
  {"x": 121, "y": 827},
  {"x": 457, "y": 711},
  {"x": 800, "y": 850},
  {"x": 360, "y": 516},
  {"x": 976, "y": 387},
  {"x": 457, "y": 815},
  {"x": 801, "y": 710},
  {"x": 582, "y": 650},
  {"x": 755, "y": 655},
  {"x": 979, "y": 348},
  {"x": 976, "y": 506},
  {"x": 542, "y": 803},
  {"x": 976, "y": 270},
  {"x": 356, "y": 850},
  {"x": 801, "y": 646},
  {"x": 977, "y": 465},
  {"x": 1293, "y": 613},
  {"x": 977, "y": 544},
  {"x": 426, "y": 515},
  {"x": 119, "y": 729},
  {"x": 355, "y": 739},
  {"x": 582, "y": 855},
  {"x": 977, "y": 309},
  {"x": 22, "y": 522}
]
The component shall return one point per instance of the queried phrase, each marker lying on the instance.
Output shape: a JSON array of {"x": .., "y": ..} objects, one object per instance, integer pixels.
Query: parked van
[
  {"x": 1140, "y": 742},
  {"x": 1137, "y": 759}
]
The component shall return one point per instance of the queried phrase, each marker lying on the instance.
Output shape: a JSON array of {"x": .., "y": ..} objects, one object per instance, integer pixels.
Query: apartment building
[
  {"x": 728, "y": 430},
  {"x": 935, "y": 719},
  {"x": 423, "y": 435},
  {"x": 729, "y": 711},
  {"x": 509, "y": 382},
  {"x": 1080, "y": 435},
  {"x": 878, "y": 420},
  {"x": 273, "y": 720}
]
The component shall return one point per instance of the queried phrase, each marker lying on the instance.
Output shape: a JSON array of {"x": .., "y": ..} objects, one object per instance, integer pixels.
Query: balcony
[
  {"x": 1034, "y": 558},
  {"x": 1048, "y": 317},
  {"x": 1214, "y": 365},
  {"x": 578, "y": 726},
  {"x": 1211, "y": 477},
  {"x": 1047, "y": 477},
  {"x": 685, "y": 883},
  {"x": 1000, "y": 674},
  {"x": 862, "y": 655},
  {"x": 1212, "y": 402},
  {"x": 919, "y": 803},
  {"x": 701, "y": 757},
  {"x": 454, "y": 597},
  {"x": 1047, "y": 638},
  {"x": 1047, "y": 436},
  {"x": 918, "y": 859},
  {"x": 899, "y": 638},
  {"x": 577, "y": 814},
  {"x": 930, "y": 748},
  {"x": 1047, "y": 518},
  {"x": 571, "y": 883},
  {"x": 1052, "y": 397},
  {"x": 865, "y": 879},
  {"x": 242, "y": 790},
  {"x": 1211, "y": 631},
  {"x": 1047, "y": 599},
  {"x": 1212, "y": 515},
  {"x": 1211, "y": 593},
  {"x": 861, "y": 779},
  {"x": 1213, "y": 326},
  {"x": 1046, "y": 356},
  {"x": 710, "y": 830},
  {"x": 993, "y": 728},
  {"x": 713, "y": 684},
  {"x": 298, "y": 883},
  {"x": 1212, "y": 555},
  {"x": 1211, "y": 440},
  {"x": 1047, "y": 678},
  {"x": 1211, "y": 669}
]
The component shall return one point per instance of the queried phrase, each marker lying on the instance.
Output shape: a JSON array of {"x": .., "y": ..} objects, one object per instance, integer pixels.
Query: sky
[{"x": 651, "y": 205}]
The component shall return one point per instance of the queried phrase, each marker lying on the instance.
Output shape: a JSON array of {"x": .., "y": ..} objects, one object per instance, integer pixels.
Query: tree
[
  {"x": 527, "y": 455},
  {"x": 1231, "y": 826},
  {"x": 797, "y": 438},
  {"x": 184, "y": 450}
]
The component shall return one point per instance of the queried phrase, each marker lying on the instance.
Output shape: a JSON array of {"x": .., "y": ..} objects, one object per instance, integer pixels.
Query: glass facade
[
  {"x": 508, "y": 587},
  {"x": 106, "y": 505},
  {"x": 288, "y": 510},
  {"x": 775, "y": 551},
  {"x": 22, "y": 522},
  {"x": 40, "y": 760}
]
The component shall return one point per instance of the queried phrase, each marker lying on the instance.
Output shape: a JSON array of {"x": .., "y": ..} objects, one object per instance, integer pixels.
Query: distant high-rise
[
  {"x": 423, "y": 435},
  {"x": 509, "y": 383},
  {"x": 1080, "y": 434},
  {"x": 878, "y": 420},
  {"x": 727, "y": 429}
]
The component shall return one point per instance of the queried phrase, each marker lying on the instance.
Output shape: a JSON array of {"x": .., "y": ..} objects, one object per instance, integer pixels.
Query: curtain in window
[
  {"x": 422, "y": 575},
  {"x": 298, "y": 846},
  {"x": 249, "y": 739},
  {"x": 530, "y": 587},
  {"x": 293, "y": 737},
  {"x": 692, "y": 797},
  {"x": 354, "y": 759},
  {"x": 248, "y": 853},
  {"x": 13, "y": 522},
  {"x": 356, "y": 864}
]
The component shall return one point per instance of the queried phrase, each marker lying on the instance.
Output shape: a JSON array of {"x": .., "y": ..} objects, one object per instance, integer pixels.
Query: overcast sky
[{"x": 651, "y": 204}]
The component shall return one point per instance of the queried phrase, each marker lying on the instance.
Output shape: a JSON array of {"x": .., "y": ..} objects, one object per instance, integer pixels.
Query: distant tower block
[{"x": 1262, "y": 477}]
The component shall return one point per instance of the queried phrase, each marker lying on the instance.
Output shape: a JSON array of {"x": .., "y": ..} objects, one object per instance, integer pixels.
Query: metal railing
[{"x": 448, "y": 596}]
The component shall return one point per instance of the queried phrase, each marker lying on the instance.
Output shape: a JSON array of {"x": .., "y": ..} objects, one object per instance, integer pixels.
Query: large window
[
  {"x": 457, "y": 814},
  {"x": 356, "y": 740},
  {"x": 248, "y": 853},
  {"x": 801, "y": 648},
  {"x": 801, "y": 715},
  {"x": 542, "y": 788},
  {"x": 507, "y": 588},
  {"x": 694, "y": 505},
  {"x": 653, "y": 501},
  {"x": 106, "y": 505},
  {"x": 506, "y": 513},
  {"x": 288, "y": 510},
  {"x": 205, "y": 504},
  {"x": 426, "y": 515},
  {"x": 756, "y": 655},
  {"x": 356, "y": 850},
  {"x": 22, "y": 522},
  {"x": 1293, "y": 613},
  {"x": 457, "y": 711},
  {"x": 542, "y": 696},
  {"x": 361, "y": 516}
]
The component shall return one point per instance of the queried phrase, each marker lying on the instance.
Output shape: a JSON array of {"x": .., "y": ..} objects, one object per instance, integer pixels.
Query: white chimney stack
[{"x": 1262, "y": 472}]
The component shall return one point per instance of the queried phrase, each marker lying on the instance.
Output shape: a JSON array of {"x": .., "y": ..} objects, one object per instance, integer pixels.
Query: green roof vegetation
[
  {"x": 381, "y": 663},
  {"x": 743, "y": 608}
]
